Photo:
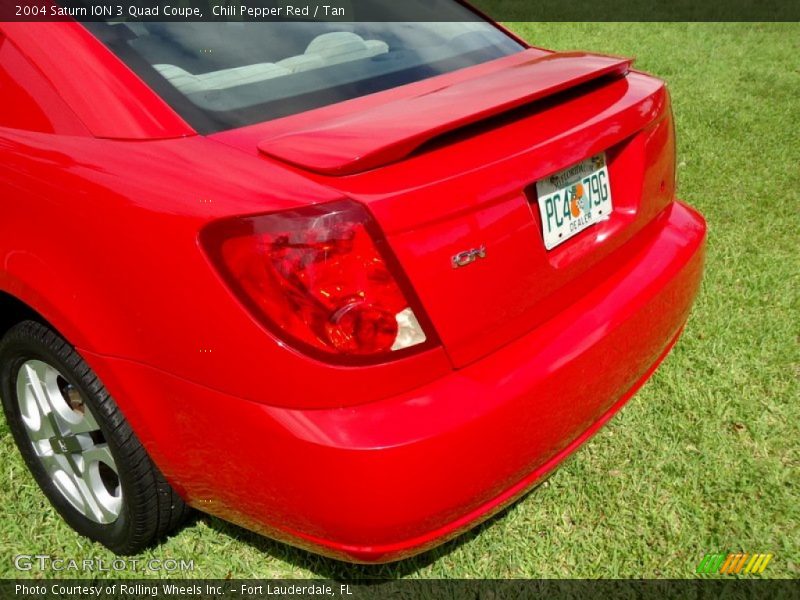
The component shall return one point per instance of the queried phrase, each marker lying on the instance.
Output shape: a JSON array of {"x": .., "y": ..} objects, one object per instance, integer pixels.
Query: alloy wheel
[{"x": 68, "y": 442}]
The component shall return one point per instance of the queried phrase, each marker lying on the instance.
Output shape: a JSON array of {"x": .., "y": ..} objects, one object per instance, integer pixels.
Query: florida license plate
[{"x": 574, "y": 199}]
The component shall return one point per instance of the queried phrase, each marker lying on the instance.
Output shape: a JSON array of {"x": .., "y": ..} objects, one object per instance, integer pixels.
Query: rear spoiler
[{"x": 390, "y": 132}]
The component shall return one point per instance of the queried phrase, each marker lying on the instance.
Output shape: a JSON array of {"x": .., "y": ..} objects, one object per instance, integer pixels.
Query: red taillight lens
[{"x": 322, "y": 277}]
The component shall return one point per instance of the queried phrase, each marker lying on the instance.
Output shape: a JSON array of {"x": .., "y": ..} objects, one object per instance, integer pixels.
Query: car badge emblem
[{"x": 462, "y": 259}]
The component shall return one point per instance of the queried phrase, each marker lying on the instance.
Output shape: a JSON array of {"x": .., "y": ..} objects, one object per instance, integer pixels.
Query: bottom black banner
[{"x": 430, "y": 589}]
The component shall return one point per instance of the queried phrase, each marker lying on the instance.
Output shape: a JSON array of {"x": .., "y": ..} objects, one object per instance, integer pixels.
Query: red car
[{"x": 355, "y": 286}]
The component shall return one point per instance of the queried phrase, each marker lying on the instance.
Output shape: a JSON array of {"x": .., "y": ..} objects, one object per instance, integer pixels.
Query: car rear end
[
  {"x": 545, "y": 344},
  {"x": 516, "y": 217}
]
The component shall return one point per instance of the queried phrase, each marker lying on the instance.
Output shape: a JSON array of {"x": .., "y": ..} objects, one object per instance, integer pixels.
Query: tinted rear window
[{"x": 222, "y": 75}]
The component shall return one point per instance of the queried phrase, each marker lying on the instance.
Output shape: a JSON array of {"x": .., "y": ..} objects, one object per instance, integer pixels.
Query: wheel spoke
[
  {"x": 87, "y": 423},
  {"x": 99, "y": 453},
  {"x": 109, "y": 502},
  {"x": 69, "y": 484},
  {"x": 44, "y": 380},
  {"x": 51, "y": 463},
  {"x": 64, "y": 417},
  {"x": 50, "y": 398},
  {"x": 40, "y": 429},
  {"x": 29, "y": 387},
  {"x": 90, "y": 506},
  {"x": 35, "y": 375}
]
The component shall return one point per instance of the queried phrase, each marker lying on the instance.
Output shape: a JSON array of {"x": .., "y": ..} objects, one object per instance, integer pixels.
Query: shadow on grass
[{"x": 330, "y": 568}]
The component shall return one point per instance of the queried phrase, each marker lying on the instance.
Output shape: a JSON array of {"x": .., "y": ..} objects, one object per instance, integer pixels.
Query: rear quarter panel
[{"x": 100, "y": 237}]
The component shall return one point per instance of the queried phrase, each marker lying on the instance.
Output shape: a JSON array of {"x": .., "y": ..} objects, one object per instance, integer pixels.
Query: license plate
[{"x": 574, "y": 199}]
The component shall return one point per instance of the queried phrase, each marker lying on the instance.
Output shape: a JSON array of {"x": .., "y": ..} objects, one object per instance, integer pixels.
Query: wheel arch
[
  {"x": 16, "y": 308},
  {"x": 14, "y": 311},
  {"x": 22, "y": 305}
]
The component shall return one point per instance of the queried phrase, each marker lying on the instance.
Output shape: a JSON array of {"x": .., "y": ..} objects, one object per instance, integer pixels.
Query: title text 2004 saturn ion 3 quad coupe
[{"x": 355, "y": 286}]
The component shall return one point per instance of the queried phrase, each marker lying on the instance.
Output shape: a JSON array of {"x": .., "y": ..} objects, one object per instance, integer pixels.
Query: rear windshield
[{"x": 223, "y": 75}]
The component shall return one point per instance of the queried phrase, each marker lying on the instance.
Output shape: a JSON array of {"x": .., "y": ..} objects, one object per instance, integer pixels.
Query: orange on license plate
[{"x": 574, "y": 199}]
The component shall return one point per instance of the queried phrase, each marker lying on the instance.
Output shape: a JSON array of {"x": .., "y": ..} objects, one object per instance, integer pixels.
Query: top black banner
[{"x": 398, "y": 10}]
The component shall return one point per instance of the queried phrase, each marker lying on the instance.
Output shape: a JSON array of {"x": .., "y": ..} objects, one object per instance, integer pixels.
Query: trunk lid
[{"x": 450, "y": 165}]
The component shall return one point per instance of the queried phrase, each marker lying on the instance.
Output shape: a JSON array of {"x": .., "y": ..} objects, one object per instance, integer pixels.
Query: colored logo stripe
[
  {"x": 758, "y": 563},
  {"x": 733, "y": 563},
  {"x": 710, "y": 563}
]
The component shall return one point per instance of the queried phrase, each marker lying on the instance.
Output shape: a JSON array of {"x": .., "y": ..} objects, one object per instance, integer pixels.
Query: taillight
[{"x": 323, "y": 278}]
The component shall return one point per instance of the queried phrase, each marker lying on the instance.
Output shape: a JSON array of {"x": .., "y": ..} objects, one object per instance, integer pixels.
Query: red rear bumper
[{"x": 380, "y": 481}]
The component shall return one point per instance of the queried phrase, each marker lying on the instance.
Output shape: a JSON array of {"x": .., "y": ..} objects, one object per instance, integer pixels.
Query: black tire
[{"x": 149, "y": 508}]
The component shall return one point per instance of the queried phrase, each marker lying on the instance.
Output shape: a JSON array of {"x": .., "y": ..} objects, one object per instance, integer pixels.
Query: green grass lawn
[{"x": 705, "y": 457}]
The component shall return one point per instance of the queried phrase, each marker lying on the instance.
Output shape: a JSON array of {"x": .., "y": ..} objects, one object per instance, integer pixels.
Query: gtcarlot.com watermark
[{"x": 46, "y": 562}]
